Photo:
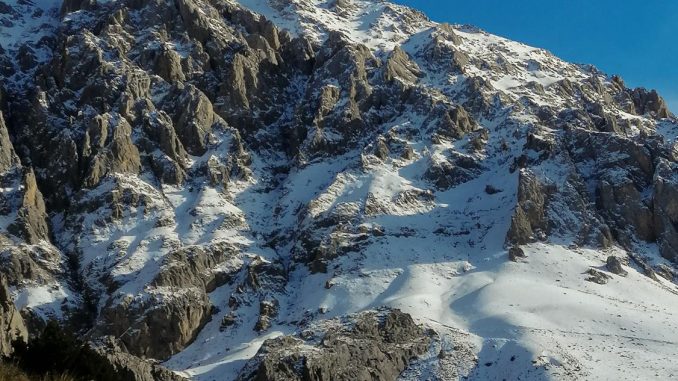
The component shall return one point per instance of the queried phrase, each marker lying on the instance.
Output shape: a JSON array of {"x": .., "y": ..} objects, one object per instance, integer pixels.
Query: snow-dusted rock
[
  {"x": 12, "y": 325},
  {"x": 217, "y": 173},
  {"x": 371, "y": 345}
]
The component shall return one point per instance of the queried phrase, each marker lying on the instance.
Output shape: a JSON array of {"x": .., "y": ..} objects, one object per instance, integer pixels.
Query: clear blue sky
[{"x": 636, "y": 39}]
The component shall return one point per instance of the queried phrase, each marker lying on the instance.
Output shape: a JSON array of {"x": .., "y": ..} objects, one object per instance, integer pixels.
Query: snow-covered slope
[
  {"x": 25, "y": 31},
  {"x": 27, "y": 21},
  {"x": 220, "y": 173},
  {"x": 379, "y": 25}
]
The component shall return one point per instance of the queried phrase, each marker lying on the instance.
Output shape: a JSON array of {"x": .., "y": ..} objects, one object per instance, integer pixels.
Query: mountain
[{"x": 344, "y": 189}]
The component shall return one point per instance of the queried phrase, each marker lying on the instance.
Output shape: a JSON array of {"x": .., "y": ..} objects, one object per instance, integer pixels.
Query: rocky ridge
[{"x": 183, "y": 173}]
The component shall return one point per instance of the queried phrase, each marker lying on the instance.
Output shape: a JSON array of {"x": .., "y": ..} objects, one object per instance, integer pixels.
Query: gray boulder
[
  {"x": 614, "y": 265},
  {"x": 516, "y": 254},
  {"x": 108, "y": 145}
]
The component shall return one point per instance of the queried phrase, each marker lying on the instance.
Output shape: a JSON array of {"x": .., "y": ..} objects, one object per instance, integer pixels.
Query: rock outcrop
[
  {"x": 7, "y": 156},
  {"x": 614, "y": 265},
  {"x": 159, "y": 327},
  {"x": 132, "y": 368},
  {"x": 31, "y": 222},
  {"x": 665, "y": 206},
  {"x": 175, "y": 168},
  {"x": 12, "y": 325},
  {"x": 374, "y": 346}
]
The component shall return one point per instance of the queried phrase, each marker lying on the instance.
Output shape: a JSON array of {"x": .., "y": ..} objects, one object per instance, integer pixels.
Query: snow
[
  {"x": 541, "y": 311},
  {"x": 27, "y": 29},
  {"x": 544, "y": 304},
  {"x": 374, "y": 24},
  {"x": 45, "y": 300},
  {"x": 669, "y": 131},
  {"x": 440, "y": 257},
  {"x": 445, "y": 263},
  {"x": 28, "y": 24},
  {"x": 25, "y": 26}
]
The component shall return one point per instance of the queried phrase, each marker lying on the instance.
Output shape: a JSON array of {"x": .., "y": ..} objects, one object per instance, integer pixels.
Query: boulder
[
  {"x": 400, "y": 67},
  {"x": 596, "y": 276},
  {"x": 193, "y": 117},
  {"x": 516, "y": 254},
  {"x": 614, "y": 265}
]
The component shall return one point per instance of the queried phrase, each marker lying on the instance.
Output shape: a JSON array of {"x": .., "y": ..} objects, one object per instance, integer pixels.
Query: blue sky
[{"x": 635, "y": 39}]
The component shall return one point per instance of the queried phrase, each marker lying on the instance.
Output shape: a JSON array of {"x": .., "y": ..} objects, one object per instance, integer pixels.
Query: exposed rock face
[
  {"x": 400, "y": 67},
  {"x": 12, "y": 326},
  {"x": 7, "y": 156},
  {"x": 268, "y": 310},
  {"x": 649, "y": 102},
  {"x": 159, "y": 327},
  {"x": 624, "y": 201},
  {"x": 193, "y": 118},
  {"x": 205, "y": 267},
  {"x": 666, "y": 208},
  {"x": 180, "y": 304},
  {"x": 375, "y": 346},
  {"x": 131, "y": 368},
  {"x": 192, "y": 174},
  {"x": 74, "y": 5},
  {"x": 109, "y": 151},
  {"x": 31, "y": 222},
  {"x": 448, "y": 173}
]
